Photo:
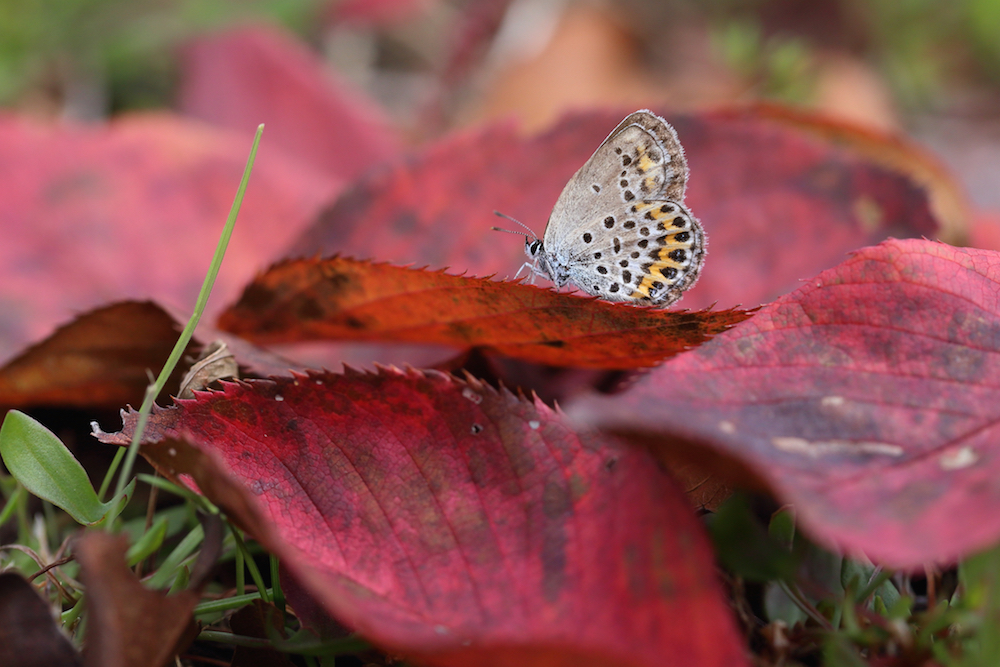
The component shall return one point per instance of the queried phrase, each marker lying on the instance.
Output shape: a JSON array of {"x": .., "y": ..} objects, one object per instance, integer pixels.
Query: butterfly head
[{"x": 532, "y": 247}]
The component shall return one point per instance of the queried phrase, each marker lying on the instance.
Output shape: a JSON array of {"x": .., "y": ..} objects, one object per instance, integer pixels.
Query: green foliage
[
  {"x": 781, "y": 67},
  {"x": 40, "y": 462},
  {"x": 981, "y": 22},
  {"x": 853, "y": 607},
  {"x": 104, "y": 53},
  {"x": 979, "y": 609},
  {"x": 745, "y": 547},
  {"x": 921, "y": 47}
]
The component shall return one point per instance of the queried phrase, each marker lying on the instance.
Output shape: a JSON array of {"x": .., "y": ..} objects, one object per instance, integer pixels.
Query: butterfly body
[{"x": 620, "y": 230}]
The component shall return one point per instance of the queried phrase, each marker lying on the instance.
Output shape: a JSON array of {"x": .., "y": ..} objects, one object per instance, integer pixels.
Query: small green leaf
[
  {"x": 744, "y": 545},
  {"x": 150, "y": 541},
  {"x": 172, "y": 564},
  {"x": 40, "y": 462},
  {"x": 839, "y": 652}
]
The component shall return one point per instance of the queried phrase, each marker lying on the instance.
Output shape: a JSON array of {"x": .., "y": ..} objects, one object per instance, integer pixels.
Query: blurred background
[{"x": 929, "y": 69}]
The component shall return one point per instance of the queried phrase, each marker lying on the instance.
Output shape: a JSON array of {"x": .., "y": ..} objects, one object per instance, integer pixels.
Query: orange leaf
[{"x": 347, "y": 299}]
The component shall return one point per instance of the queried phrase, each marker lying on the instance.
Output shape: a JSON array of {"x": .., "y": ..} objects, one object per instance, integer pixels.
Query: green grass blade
[{"x": 182, "y": 342}]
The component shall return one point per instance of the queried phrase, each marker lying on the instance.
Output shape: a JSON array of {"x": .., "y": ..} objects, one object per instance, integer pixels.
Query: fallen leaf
[
  {"x": 370, "y": 13},
  {"x": 133, "y": 209},
  {"x": 29, "y": 636},
  {"x": 453, "y": 523},
  {"x": 346, "y": 299},
  {"x": 778, "y": 203},
  {"x": 216, "y": 362},
  {"x": 258, "y": 74},
  {"x": 102, "y": 358},
  {"x": 948, "y": 200},
  {"x": 129, "y": 625},
  {"x": 866, "y": 398}
]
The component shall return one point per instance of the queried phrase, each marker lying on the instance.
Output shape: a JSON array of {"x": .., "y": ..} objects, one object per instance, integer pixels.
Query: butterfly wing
[{"x": 620, "y": 230}]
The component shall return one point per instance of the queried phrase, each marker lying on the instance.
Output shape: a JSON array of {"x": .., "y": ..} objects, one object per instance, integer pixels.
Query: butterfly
[{"x": 620, "y": 229}]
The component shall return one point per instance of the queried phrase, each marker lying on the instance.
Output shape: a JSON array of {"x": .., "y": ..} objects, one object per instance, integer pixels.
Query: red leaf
[
  {"x": 777, "y": 202},
  {"x": 378, "y": 12},
  {"x": 867, "y": 398},
  {"x": 132, "y": 209},
  {"x": 985, "y": 231},
  {"x": 254, "y": 75},
  {"x": 457, "y": 524},
  {"x": 344, "y": 299},
  {"x": 947, "y": 198}
]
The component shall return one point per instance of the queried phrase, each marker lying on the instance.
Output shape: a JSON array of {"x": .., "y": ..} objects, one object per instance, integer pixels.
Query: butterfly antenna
[{"x": 514, "y": 220}]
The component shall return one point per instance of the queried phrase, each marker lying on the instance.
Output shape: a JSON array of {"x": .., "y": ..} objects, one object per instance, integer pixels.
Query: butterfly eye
[{"x": 533, "y": 246}]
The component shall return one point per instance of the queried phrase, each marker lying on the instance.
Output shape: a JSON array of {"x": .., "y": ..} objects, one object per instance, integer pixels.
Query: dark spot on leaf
[
  {"x": 256, "y": 297},
  {"x": 308, "y": 309}
]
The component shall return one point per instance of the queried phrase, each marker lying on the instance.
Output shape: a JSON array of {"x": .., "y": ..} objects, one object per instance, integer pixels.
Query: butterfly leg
[{"x": 533, "y": 271}]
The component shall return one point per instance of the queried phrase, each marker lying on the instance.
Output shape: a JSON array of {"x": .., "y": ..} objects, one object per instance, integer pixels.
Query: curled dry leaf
[
  {"x": 346, "y": 299},
  {"x": 29, "y": 636},
  {"x": 456, "y": 524},
  {"x": 867, "y": 398},
  {"x": 104, "y": 358},
  {"x": 101, "y": 358},
  {"x": 216, "y": 362},
  {"x": 129, "y": 625}
]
